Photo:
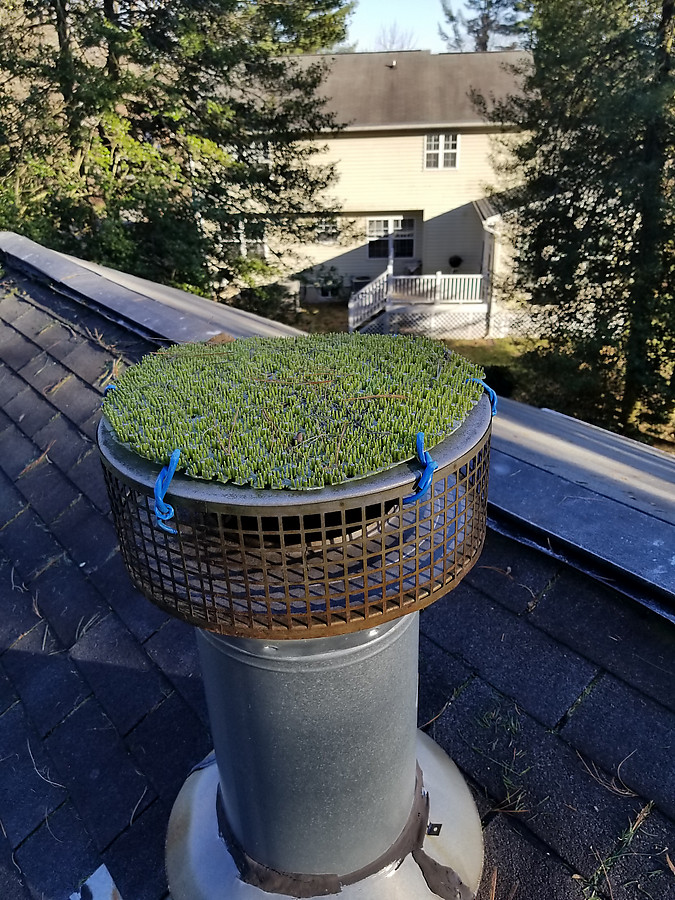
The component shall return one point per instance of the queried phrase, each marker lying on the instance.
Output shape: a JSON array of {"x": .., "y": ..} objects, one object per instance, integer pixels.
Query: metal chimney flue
[
  {"x": 291, "y": 719},
  {"x": 307, "y": 611}
]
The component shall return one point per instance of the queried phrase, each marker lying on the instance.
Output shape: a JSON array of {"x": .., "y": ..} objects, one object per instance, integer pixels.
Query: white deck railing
[
  {"x": 368, "y": 302},
  {"x": 388, "y": 291},
  {"x": 437, "y": 288}
]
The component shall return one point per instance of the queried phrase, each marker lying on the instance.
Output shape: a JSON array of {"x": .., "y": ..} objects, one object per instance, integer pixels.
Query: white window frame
[
  {"x": 327, "y": 231},
  {"x": 391, "y": 229},
  {"x": 443, "y": 148},
  {"x": 256, "y": 247}
]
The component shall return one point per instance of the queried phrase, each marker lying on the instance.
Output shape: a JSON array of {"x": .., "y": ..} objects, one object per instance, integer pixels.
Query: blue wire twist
[
  {"x": 423, "y": 483},
  {"x": 164, "y": 511},
  {"x": 488, "y": 390},
  {"x": 108, "y": 387}
]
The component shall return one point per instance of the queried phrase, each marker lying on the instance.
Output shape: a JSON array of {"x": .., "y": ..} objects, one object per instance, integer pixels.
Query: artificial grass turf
[{"x": 292, "y": 413}]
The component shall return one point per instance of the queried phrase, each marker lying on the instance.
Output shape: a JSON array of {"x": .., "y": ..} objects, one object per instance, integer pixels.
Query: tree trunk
[
  {"x": 65, "y": 72},
  {"x": 113, "y": 68},
  {"x": 650, "y": 269}
]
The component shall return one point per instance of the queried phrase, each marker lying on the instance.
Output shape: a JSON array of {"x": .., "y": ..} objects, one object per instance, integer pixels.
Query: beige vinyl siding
[
  {"x": 458, "y": 232},
  {"x": 351, "y": 258},
  {"x": 383, "y": 171},
  {"x": 383, "y": 174}
]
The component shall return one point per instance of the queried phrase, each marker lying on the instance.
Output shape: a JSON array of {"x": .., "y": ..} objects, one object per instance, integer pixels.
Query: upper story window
[
  {"x": 441, "y": 151},
  {"x": 252, "y": 153},
  {"x": 391, "y": 237}
]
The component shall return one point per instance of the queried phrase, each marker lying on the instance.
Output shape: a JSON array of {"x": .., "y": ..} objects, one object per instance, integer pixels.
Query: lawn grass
[
  {"x": 323, "y": 318},
  {"x": 489, "y": 351}
]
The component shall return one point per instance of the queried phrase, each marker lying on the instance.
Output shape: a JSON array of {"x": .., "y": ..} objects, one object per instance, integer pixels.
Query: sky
[{"x": 418, "y": 17}]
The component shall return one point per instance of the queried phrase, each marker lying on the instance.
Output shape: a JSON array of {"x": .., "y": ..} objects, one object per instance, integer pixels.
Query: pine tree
[
  {"x": 593, "y": 206},
  {"x": 167, "y": 139},
  {"x": 491, "y": 22}
]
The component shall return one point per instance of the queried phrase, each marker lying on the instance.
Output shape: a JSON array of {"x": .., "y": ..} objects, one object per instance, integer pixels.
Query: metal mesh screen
[
  {"x": 469, "y": 321},
  {"x": 448, "y": 320},
  {"x": 316, "y": 570}
]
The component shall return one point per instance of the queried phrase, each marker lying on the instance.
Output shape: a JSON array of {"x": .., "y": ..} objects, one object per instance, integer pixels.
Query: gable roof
[{"x": 401, "y": 89}]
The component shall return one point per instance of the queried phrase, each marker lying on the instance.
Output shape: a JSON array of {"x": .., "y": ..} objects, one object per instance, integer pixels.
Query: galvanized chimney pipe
[
  {"x": 320, "y": 783},
  {"x": 315, "y": 743}
]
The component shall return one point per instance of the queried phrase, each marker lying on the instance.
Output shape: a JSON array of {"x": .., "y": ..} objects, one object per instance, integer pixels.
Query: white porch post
[
  {"x": 492, "y": 245},
  {"x": 390, "y": 277}
]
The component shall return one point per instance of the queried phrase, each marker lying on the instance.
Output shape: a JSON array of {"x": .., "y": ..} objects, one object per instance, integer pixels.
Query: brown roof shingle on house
[{"x": 407, "y": 88}]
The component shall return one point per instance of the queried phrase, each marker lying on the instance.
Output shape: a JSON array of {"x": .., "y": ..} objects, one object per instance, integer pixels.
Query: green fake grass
[{"x": 292, "y": 413}]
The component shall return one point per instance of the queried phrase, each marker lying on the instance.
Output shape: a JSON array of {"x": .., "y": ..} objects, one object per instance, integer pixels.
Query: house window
[
  {"x": 248, "y": 237},
  {"x": 391, "y": 238},
  {"x": 327, "y": 231},
  {"x": 253, "y": 153},
  {"x": 441, "y": 150}
]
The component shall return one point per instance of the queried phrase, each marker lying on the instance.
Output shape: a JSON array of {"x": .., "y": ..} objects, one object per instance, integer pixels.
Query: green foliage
[
  {"x": 327, "y": 279},
  {"x": 168, "y": 139},
  {"x": 292, "y": 412},
  {"x": 273, "y": 301},
  {"x": 589, "y": 184},
  {"x": 308, "y": 26},
  {"x": 486, "y": 25}
]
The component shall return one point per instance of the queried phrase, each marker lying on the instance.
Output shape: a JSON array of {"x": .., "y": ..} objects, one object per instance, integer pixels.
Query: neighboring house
[{"x": 414, "y": 164}]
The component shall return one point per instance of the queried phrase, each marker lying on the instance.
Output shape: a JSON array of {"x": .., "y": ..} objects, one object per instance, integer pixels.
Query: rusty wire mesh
[{"x": 316, "y": 569}]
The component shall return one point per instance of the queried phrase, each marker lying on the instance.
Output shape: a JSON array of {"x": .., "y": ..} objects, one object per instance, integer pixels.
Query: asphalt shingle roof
[
  {"x": 414, "y": 88},
  {"x": 553, "y": 693}
]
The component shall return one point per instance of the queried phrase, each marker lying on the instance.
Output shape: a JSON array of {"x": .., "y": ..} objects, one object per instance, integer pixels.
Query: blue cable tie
[
  {"x": 164, "y": 511},
  {"x": 488, "y": 390},
  {"x": 108, "y": 387},
  {"x": 423, "y": 483}
]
